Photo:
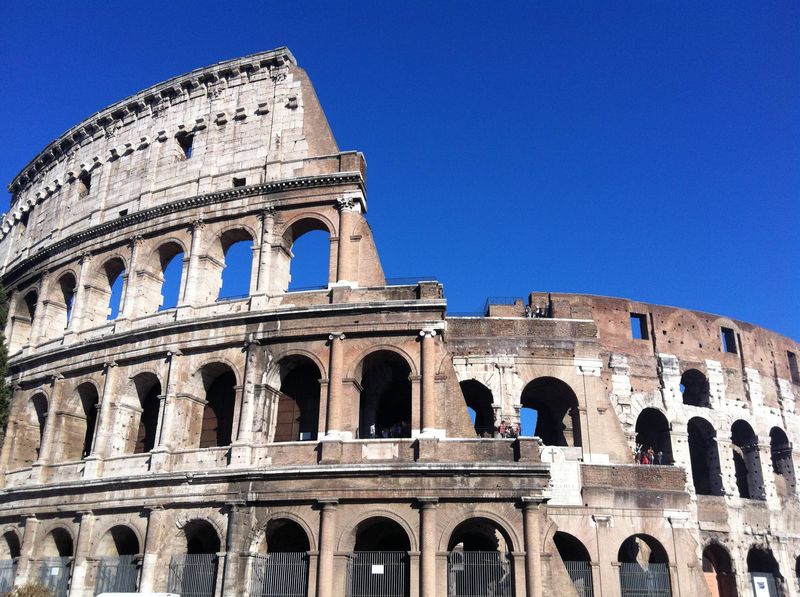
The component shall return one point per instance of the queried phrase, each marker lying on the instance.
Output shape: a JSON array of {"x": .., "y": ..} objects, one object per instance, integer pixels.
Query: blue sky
[{"x": 641, "y": 149}]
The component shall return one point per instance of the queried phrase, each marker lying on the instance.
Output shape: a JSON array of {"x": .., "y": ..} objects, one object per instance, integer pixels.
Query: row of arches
[{"x": 161, "y": 281}]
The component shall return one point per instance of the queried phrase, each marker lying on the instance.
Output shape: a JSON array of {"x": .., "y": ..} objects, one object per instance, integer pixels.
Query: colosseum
[{"x": 353, "y": 439}]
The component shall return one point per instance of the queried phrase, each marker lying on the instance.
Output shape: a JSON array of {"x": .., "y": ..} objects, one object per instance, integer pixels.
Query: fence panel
[
  {"x": 282, "y": 574},
  {"x": 763, "y": 583},
  {"x": 117, "y": 575},
  {"x": 193, "y": 575},
  {"x": 479, "y": 574},
  {"x": 377, "y": 574},
  {"x": 54, "y": 575},
  {"x": 581, "y": 575},
  {"x": 7, "y": 570},
  {"x": 635, "y": 581}
]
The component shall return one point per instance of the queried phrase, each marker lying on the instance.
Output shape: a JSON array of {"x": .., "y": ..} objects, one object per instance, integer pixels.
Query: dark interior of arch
[
  {"x": 125, "y": 541},
  {"x": 717, "y": 559},
  {"x": 12, "y": 544},
  {"x": 747, "y": 462},
  {"x": 478, "y": 534},
  {"x": 558, "y": 419},
  {"x": 63, "y": 542},
  {"x": 652, "y": 431},
  {"x": 479, "y": 398},
  {"x": 201, "y": 538},
  {"x": 706, "y": 471},
  {"x": 298, "y": 405},
  {"x": 570, "y": 548},
  {"x": 385, "y": 395},
  {"x": 217, "y": 429},
  {"x": 381, "y": 534},
  {"x": 67, "y": 285},
  {"x": 782, "y": 465},
  {"x": 40, "y": 409},
  {"x": 695, "y": 388},
  {"x": 89, "y": 399},
  {"x": 762, "y": 560},
  {"x": 286, "y": 535},
  {"x": 642, "y": 549},
  {"x": 30, "y": 304},
  {"x": 148, "y": 389}
]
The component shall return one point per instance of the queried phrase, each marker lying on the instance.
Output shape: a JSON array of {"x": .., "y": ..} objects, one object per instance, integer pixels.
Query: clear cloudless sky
[{"x": 641, "y": 149}]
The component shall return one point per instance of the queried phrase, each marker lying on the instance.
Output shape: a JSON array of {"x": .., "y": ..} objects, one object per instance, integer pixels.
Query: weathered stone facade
[{"x": 215, "y": 437}]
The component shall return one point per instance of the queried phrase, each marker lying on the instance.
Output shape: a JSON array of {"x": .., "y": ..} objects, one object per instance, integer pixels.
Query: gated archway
[
  {"x": 385, "y": 405},
  {"x": 298, "y": 403},
  {"x": 55, "y": 569},
  {"x": 118, "y": 566},
  {"x": 378, "y": 565},
  {"x": 765, "y": 575},
  {"x": 194, "y": 572},
  {"x": 577, "y": 562},
  {"x": 643, "y": 568},
  {"x": 281, "y": 567},
  {"x": 479, "y": 561},
  {"x": 9, "y": 552}
]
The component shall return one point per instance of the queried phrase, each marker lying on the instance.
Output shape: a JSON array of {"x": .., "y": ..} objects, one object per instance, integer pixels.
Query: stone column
[
  {"x": 345, "y": 270},
  {"x": 190, "y": 289},
  {"x": 327, "y": 538},
  {"x": 246, "y": 412},
  {"x": 427, "y": 513},
  {"x": 128, "y": 301},
  {"x": 26, "y": 561},
  {"x": 153, "y": 550},
  {"x": 230, "y": 575},
  {"x": 75, "y": 323},
  {"x": 46, "y": 448},
  {"x": 164, "y": 442},
  {"x": 533, "y": 562},
  {"x": 80, "y": 564},
  {"x": 334, "y": 424},
  {"x": 428, "y": 359},
  {"x": 262, "y": 253},
  {"x": 104, "y": 426},
  {"x": 41, "y": 312}
]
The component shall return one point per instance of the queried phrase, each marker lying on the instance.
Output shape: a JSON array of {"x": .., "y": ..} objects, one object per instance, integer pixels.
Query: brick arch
[
  {"x": 503, "y": 525},
  {"x": 10, "y": 532},
  {"x": 49, "y": 530},
  {"x": 273, "y": 370},
  {"x": 185, "y": 520},
  {"x": 355, "y": 370},
  {"x": 348, "y": 537},
  {"x": 316, "y": 221},
  {"x": 256, "y": 534},
  {"x": 101, "y": 532},
  {"x": 215, "y": 360}
]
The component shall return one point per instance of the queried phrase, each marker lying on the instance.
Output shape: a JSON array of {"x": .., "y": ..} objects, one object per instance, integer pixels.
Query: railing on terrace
[
  {"x": 282, "y": 574},
  {"x": 307, "y": 288},
  {"x": 233, "y": 297}
]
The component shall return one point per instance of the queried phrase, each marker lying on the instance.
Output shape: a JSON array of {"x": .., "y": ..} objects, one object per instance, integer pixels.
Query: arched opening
[
  {"x": 148, "y": 391},
  {"x": 310, "y": 259},
  {"x": 747, "y": 462},
  {"x": 644, "y": 567},
  {"x": 237, "y": 256},
  {"x": 695, "y": 389},
  {"x": 219, "y": 383},
  {"x": 104, "y": 289},
  {"x": 22, "y": 321},
  {"x": 9, "y": 552},
  {"x": 298, "y": 402},
  {"x": 281, "y": 568},
  {"x": 478, "y": 562},
  {"x": 64, "y": 301},
  {"x": 89, "y": 404},
  {"x": 652, "y": 433},
  {"x": 115, "y": 272},
  {"x": 557, "y": 417},
  {"x": 385, "y": 406},
  {"x": 718, "y": 571},
  {"x": 479, "y": 401},
  {"x": 577, "y": 562},
  {"x": 29, "y": 433},
  {"x": 765, "y": 574},
  {"x": 380, "y": 544},
  {"x": 706, "y": 471},
  {"x": 56, "y": 562},
  {"x": 77, "y": 424},
  {"x": 118, "y": 567},
  {"x": 782, "y": 465},
  {"x": 194, "y": 572}
]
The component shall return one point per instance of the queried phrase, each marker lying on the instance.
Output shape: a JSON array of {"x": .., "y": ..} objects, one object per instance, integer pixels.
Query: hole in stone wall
[
  {"x": 639, "y": 326},
  {"x": 728, "y": 340},
  {"x": 794, "y": 372},
  {"x": 239, "y": 182},
  {"x": 186, "y": 142}
]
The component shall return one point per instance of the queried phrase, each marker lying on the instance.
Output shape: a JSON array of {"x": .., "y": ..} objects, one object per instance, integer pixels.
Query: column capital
[
  {"x": 429, "y": 332},
  {"x": 85, "y": 257},
  {"x": 531, "y": 503},
  {"x": 336, "y": 336},
  {"x": 426, "y": 503},
  {"x": 198, "y": 224},
  {"x": 174, "y": 353},
  {"x": 350, "y": 202},
  {"x": 327, "y": 504},
  {"x": 267, "y": 212},
  {"x": 135, "y": 240}
]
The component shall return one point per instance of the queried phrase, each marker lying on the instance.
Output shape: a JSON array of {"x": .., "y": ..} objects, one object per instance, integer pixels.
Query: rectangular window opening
[
  {"x": 639, "y": 326},
  {"x": 123, "y": 212},
  {"x": 794, "y": 372},
  {"x": 729, "y": 341},
  {"x": 239, "y": 182}
]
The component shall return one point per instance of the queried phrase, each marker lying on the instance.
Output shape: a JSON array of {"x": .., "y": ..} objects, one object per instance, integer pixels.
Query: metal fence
[
  {"x": 636, "y": 581},
  {"x": 7, "y": 570},
  {"x": 581, "y": 575},
  {"x": 479, "y": 574},
  {"x": 54, "y": 575},
  {"x": 763, "y": 581},
  {"x": 117, "y": 575},
  {"x": 193, "y": 575},
  {"x": 377, "y": 574},
  {"x": 283, "y": 574}
]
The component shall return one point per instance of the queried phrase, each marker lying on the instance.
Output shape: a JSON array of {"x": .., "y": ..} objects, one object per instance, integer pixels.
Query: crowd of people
[
  {"x": 536, "y": 312},
  {"x": 647, "y": 455},
  {"x": 401, "y": 429},
  {"x": 506, "y": 430}
]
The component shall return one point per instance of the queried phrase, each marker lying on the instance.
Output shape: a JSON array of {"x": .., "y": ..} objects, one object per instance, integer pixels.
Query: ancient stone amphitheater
[{"x": 344, "y": 440}]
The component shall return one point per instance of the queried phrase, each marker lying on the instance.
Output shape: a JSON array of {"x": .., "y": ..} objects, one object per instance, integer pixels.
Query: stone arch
[
  {"x": 58, "y": 542},
  {"x": 718, "y": 570},
  {"x": 762, "y": 562},
  {"x": 283, "y": 535},
  {"x": 146, "y": 387},
  {"x": 119, "y": 540},
  {"x": 303, "y": 257},
  {"x": 782, "y": 465},
  {"x": 513, "y": 541},
  {"x": 478, "y": 533},
  {"x": 385, "y": 402},
  {"x": 152, "y": 279},
  {"x": 273, "y": 372},
  {"x": 220, "y": 261},
  {"x": 704, "y": 457},
  {"x": 105, "y": 290},
  {"x": 348, "y": 539},
  {"x": 570, "y": 548},
  {"x": 556, "y": 404},
  {"x": 480, "y": 401},
  {"x": 29, "y": 430},
  {"x": 78, "y": 422},
  {"x": 10, "y": 545},
  {"x": 653, "y": 431},
  {"x": 197, "y": 536},
  {"x": 299, "y": 400},
  {"x": 61, "y": 296},
  {"x": 294, "y": 227},
  {"x": 747, "y": 461},
  {"x": 22, "y": 318},
  {"x": 695, "y": 388},
  {"x": 219, "y": 381},
  {"x": 255, "y": 537},
  {"x": 642, "y": 549},
  {"x": 356, "y": 370}
]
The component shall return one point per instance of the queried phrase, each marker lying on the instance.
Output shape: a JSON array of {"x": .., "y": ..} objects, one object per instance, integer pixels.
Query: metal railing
[
  {"x": 581, "y": 575},
  {"x": 282, "y": 574},
  {"x": 307, "y": 288},
  {"x": 636, "y": 581},
  {"x": 117, "y": 575},
  {"x": 479, "y": 574},
  {"x": 232, "y": 297},
  {"x": 377, "y": 574},
  {"x": 54, "y": 574},
  {"x": 7, "y": 570},
  {"x": 193, "y": 575}
]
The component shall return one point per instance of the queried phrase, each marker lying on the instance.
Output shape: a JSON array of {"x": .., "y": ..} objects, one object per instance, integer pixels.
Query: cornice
[{"x": 267, "y": 188}]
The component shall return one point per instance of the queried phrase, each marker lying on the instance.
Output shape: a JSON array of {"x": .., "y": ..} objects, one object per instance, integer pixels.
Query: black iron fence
[
  {"x": 581, "y": 575},
  {"x": 7, "y": 570},
  {"x": 283, "y": 574},
  {"x": 193, "y": 575},
  {"x": 54, "y": 574},
  {"x": 377, "y": 574},
  {"x": 651, "y": 580},
  {"x": 117, "y": 575},
  {"x": 480, "y": 574}
]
